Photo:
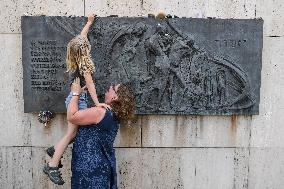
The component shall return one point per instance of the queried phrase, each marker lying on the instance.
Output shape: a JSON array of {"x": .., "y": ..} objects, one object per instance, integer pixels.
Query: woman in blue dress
[{"x": 93, "y": 156}]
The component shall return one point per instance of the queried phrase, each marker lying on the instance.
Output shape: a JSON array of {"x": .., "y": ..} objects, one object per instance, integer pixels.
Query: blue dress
[{"x": 93, "y": 156}]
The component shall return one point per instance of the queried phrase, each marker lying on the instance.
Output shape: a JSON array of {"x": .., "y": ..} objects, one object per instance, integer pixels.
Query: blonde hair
[{"x": 78, "y": 55}]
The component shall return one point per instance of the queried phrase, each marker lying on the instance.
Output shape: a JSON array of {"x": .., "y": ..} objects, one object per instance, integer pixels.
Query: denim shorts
[{"x": 82, "y": 101}]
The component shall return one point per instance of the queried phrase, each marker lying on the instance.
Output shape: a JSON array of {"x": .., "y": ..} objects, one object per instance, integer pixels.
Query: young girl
[{"x": 79, "y": 64}]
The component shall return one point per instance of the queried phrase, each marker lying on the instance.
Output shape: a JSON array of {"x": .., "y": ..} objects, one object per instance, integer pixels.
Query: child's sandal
[
  {"x": 54, "y": 174},
  {"x": 50, "y": 151}
]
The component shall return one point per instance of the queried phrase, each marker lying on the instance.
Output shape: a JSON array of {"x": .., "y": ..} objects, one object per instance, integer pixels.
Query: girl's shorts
[{"x": 82, "y": 101}]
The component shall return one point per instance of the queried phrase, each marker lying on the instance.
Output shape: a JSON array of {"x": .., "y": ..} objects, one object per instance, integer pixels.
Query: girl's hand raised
[
  {"x": 104, "y": 105},
  {"x": 91, "y": 18}
]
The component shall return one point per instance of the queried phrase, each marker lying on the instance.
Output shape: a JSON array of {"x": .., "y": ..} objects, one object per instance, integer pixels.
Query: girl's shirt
[
  {"x": 86, "y": 64},
  {"x": 73, "y": 75}
]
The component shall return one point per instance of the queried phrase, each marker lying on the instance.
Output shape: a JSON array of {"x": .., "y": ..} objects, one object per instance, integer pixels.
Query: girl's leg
[{"x": 62, "y": 144}]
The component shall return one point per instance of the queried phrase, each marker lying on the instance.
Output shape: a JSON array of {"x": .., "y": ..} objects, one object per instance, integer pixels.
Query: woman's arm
[
  {"x": 85, "y": 30},
  {"x": 82, "y": 117}
]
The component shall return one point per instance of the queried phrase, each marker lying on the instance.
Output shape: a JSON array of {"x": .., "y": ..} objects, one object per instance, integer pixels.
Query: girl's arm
[
  {"x": 92, "y": 90},
  {"x": 91, "y": 87},
  {"x": 85, "y": 30},
  {"x": 88, "y": 77}
]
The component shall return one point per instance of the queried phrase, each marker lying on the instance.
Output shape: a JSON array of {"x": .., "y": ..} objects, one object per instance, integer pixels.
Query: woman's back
[{"x": 93, "y": 155}]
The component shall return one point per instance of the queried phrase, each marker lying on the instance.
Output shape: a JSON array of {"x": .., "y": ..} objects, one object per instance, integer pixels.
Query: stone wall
[{"x": 192, "y": 152}]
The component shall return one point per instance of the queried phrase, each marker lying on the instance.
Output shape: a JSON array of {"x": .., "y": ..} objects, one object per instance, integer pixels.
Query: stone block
[
  {"x": 272, "y": 14},
  {"x": 196, "y": 131},
  {"x": 168, "y": 131},
  {"x": 183, "y": 168},
  {"x": 181, "y": 8},
  {"x": 120, "y": 8},
  {"x": 15, "y": 125},
  {"x": 267, "y": 127},
  {"x": 266, "y": 167},
  {"x": 129, "y": 135},
  {"x": 214, "y": 8},
  {"x": 40, "y": 179},
  {"x": 11, "y": 11},
  {"x": 16, "y": 167}
]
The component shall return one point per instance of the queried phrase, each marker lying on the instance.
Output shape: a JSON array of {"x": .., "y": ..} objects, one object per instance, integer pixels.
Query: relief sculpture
[{"x": 168, "y": 66}]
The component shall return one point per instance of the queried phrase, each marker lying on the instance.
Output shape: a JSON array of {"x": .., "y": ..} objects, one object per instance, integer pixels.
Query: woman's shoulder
[
  {"x": 113, "y": 115},
  {"x": 104, "y": 116},
  {"x": 110, "y": 112}
]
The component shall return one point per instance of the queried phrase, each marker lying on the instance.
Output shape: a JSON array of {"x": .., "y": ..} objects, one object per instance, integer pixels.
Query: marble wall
[{"x": 165, "y": 152}]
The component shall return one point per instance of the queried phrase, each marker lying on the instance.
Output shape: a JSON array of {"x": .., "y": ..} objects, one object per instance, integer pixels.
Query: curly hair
[
  {"x": 78, "y": 55},
  {"x": 124, "y": 107}
]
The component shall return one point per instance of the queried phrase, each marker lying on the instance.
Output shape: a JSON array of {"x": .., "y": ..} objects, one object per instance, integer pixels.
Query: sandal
[
  {"x": 50, "y": 151},
  {"x": 54, "y": 174}
]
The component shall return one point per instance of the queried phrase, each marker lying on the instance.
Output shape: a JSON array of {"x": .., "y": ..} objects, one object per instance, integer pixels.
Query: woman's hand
[
  {"x": 91, "y": 18},
  {"x": 106, "y": 106},
  {"x": 75, "y": 87}
]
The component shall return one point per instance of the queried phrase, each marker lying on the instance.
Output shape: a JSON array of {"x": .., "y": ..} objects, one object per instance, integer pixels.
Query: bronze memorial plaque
[{"x": 191, "y": 66}]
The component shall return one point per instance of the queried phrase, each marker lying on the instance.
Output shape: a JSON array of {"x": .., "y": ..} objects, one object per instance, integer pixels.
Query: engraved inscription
[
  {"x": 230, "y": 43},
  {"x": 46, "y": 62}
]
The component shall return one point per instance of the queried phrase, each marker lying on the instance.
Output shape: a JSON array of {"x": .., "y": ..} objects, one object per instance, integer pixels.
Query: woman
[{"x": 93, "y": 155}]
